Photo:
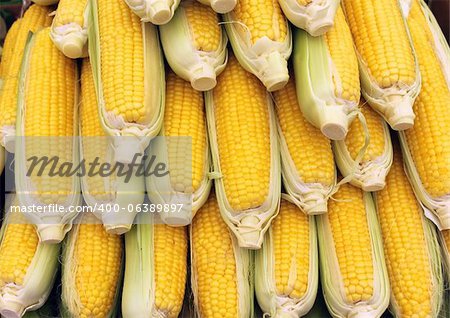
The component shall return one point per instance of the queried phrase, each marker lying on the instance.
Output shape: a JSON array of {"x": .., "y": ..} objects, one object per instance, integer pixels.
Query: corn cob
[
  {"x": 185, "y": 144},
  {"x": 47, "y": 113},
  {"x": 155, "y": 11},
  {"x": 102, "y": 191},
  {"x": 93, "y": 258},
  {"x": 314, "y": 16},
  {"x": 426, "y": 146},
  {"x": 353, "y": 272},
  {"x": 261, "y": 40},
  {"x": 308, "y": 168},
  {"x": 329, "y": 94},
  {"x": 220, "y": 6},
  {"x": 221, "y": 277},
  {"x": 27, "y": 267},
  {"x": 195, "y": 45},
  {"x": 155, "y": 269},
  {"x": 8, "y": 50},
  {"x": 286, "y": 268},
  {"x": 244, "y": 147},
  {"x": 410, "y": 248},
  {"x": 69, "y": 28},
  {"x": 35, "y": 18},
  {"x": 390, "y": 78},
  {"x": 128, "y": 75},
  {"x": 371, "y": 172}
]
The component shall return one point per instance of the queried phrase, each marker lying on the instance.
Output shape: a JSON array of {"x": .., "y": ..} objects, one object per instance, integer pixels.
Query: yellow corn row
[
  {"x": 307, "y": 159},
  {"x": 69, "y": 27},
  {"x": 8, "y": 50},
  {"x": 219, "y": 268},
  {"x": 220, "y": 6},
  {"x": 286, "y": 268},
  {"x": 352, "y": 264},
  {"x": 91, "y": 257},
  {"x": 35, "y": 18},
  {"x": 390, "y": 78},
  {"x": 239, "y": 109},
  {"x": 410, "y": 248}
]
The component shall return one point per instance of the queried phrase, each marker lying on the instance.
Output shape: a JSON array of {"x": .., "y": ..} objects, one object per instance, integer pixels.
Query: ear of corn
[
  {"x": 308, "y": 169},
  {"x": 353, "y": 272},
  {"x": 221, "y": 273},
  {"x": 195, "y": 45},
  {"x": 91, "y": 274},
  {"x": 261, "y": 40},
  {"x": 155, "y": 269},
  {"x": 101, "y": 191},
  {"x": 35, "y": 18},
  {"x": 155, "y": 11},
  {"x": 70, "y": 28},
  {"x": 426, "y": 146},
  {"x": 128, "y": 75},
  {"x": 328, "y": 92},
  {"x": 313, "y": 16},
  {"x": 371, "y": 172},
  {"x": 220, "y": 6},
  {"x": 286, "y": 267},
  {"x": 8, "y": 50},
  {"x": 390, "y": 77},
  {"x": 46, "y": 127},
  {"x": 184, "y": 148},
  {"x": 244, "y": 147},
  {"x": 27, "y": 267},
  {"x": 410, "y": 247}
]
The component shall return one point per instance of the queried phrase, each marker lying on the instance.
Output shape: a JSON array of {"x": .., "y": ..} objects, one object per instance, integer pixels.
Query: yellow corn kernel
[
  {"x": 70, "y": 11},
  {"x": 122, "y": 62},
  {"x": 185, "y": 116},
  {"x": 428, "y": 140},
  {"x": 381, "y": 39},
  {"x": 355, "y": 137},
  {"x": 204, "y": 25},
  {"x": 261, "y": 18},
  {"x": 97, "y": 256},
  {"x": 243, "y": 136},
  {"x": 17, "y": 249},
  {"x": 352, "y": 242},
  {"x": 170, "y": 268},
  {"x": 35, "y": 18},
  {"x": 405, "y": 247},
  {"x": 309, "y": 148},
  {"x": 8, "y": 47},
  {"x": 290, "y": 233},
  {"x": 214, "y": 263}
]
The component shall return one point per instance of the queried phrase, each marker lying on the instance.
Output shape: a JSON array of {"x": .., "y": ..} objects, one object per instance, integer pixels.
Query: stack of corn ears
[
  {"x": 35, "y": 18},
  {"x": 221, "y": 271},
  {"x": 92, "y": 270},
  {"x": 314, "y": 16},
  {"x": 352, "y": 267},
  {"x": 261, "y": 40},
  {"x": 187, "y": 159},
  {"x": 247, "y": 173},
  {"x": 107, "y": 193},
  {"x": 308, "y": 169},
  {"x": 70, "y": 27},
  {"x": 36, "y": 183},
  {"x": 426, "y": 146},
  {"x": 411, "y": 248},
  {"x": 27, "y": 267},
  {"x": 286, "y": 267},
  {"x": 128, "y": 73},
  {"x": 371, "y": 171},
  {"x": 195, "y": 45},
  {"x": 155, "y": 269},
  {"x": 389, "y": 72},
  {"x": 220, "y": 6},
  {"x": 328, "y": 88},
  {"x": 155, "y": 11}
]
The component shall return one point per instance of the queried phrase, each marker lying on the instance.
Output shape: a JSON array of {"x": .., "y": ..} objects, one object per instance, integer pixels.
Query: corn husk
[
  {"x": 2, "y": 159},
  {"x": 155, "y": 11}
]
